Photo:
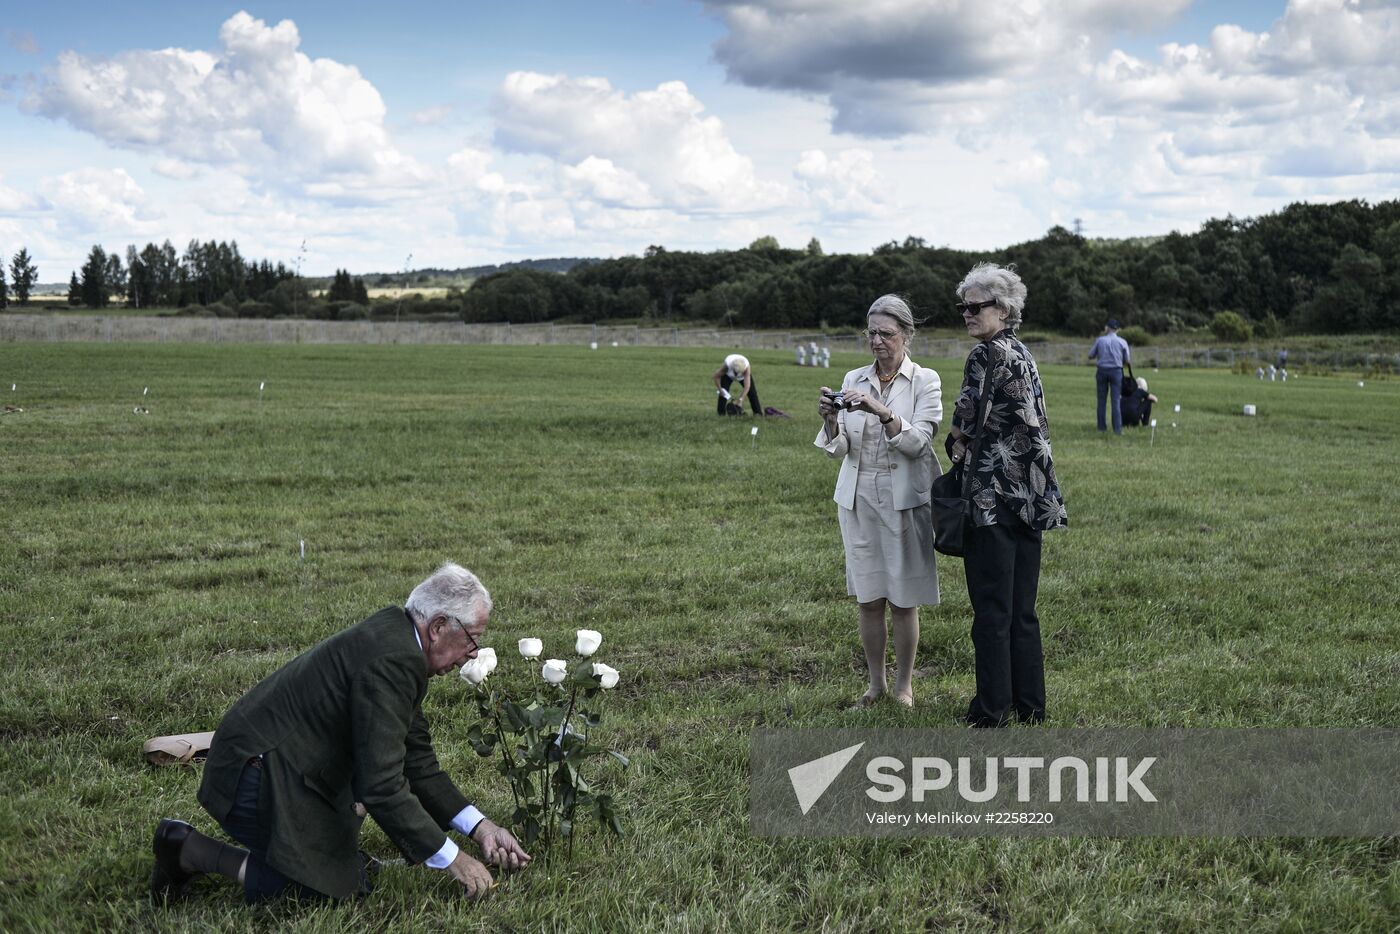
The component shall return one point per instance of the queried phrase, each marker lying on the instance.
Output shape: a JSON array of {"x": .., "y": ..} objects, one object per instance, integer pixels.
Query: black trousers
[
  {"x": 725, "y": 382},
  {"x": 246, "y": 823},
  {"x": 1002, "y": 563}
]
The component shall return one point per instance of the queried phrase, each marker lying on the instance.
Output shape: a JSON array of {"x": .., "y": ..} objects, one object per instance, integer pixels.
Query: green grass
[{"x": 1238, "y": 572}]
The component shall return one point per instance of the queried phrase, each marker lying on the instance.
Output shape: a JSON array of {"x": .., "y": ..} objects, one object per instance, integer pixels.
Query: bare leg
[
  {"x": 872, "y": 639},
  {"x": 904, "y": 624}
]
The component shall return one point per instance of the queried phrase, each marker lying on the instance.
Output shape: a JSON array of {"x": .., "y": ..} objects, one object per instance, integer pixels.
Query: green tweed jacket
[{"x": 340, "y": 723}]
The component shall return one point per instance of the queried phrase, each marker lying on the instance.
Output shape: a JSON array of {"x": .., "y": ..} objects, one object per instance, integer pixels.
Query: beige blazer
[{"x": 916, "y": 398}]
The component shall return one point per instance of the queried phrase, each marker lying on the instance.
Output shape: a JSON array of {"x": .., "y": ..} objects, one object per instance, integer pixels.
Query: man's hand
[
  {"x": 499, "y": 846},
  {"x": 474, "y": 876}
]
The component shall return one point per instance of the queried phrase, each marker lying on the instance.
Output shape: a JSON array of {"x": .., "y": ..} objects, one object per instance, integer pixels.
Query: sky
[{"x": 379, "y": 137}]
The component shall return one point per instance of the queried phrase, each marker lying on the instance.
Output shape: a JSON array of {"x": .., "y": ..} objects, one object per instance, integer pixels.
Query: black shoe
[{"x": 168, "y": 881}]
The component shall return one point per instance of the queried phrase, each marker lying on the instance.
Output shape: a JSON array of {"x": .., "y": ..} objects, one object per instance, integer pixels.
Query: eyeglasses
[
  {"x": 882, "y": 335},
  {"x": 974, "y": 308},
  {"x": 476, "y": 646}
]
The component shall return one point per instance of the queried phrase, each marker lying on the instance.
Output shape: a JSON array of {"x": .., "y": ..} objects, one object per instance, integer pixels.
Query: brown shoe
[{"x": 168, "y": 881}]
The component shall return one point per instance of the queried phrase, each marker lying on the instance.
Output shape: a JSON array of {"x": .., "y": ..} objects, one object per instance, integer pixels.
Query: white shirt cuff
[
  {"x": 443, "y": 857},
  {"x": 467, "y": 819}
]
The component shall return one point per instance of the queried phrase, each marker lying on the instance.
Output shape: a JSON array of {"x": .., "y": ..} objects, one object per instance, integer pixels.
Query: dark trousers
[
  {"x": 1002, "y": 563},
  {"x": 725, "y": 382},
  {"x": 246, "y": 825},
  {"x": 1109, "y": 382}
]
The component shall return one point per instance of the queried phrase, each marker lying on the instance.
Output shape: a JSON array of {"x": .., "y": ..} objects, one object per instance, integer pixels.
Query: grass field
[{"x": 1236, "y": 572}]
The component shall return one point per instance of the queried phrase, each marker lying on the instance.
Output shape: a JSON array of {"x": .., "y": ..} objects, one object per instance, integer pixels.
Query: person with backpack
[{"x": 1110, "y": 352}]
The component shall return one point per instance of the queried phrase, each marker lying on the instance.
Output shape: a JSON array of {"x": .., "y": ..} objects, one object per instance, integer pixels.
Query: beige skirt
[{"x": 889, "y": 552}]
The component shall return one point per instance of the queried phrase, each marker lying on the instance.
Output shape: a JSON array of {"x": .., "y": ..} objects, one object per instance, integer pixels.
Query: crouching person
[{"x": 338, "y": 725}]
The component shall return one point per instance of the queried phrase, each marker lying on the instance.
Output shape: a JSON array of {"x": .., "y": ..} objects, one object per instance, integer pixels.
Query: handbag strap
[{"x": 983, "y": 410}]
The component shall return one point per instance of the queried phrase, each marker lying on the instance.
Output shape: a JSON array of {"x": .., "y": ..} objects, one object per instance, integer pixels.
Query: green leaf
[
  {"x": 515, "y": 716},
  {"x": 620, "y": 758}
]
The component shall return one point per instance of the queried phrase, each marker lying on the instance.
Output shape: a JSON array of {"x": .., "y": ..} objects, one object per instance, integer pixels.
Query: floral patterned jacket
[{"x": 1013, "y": 461}]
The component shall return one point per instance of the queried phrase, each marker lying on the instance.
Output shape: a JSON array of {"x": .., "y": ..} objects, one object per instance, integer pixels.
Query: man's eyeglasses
[
  {"x": 974, "y": 308},
  {"x": 476, "y": 646},
  {"x": 882, "y": 335}
]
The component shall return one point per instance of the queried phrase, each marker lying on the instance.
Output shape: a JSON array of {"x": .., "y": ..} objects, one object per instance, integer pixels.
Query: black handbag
[{"x": 950, "y": 508}]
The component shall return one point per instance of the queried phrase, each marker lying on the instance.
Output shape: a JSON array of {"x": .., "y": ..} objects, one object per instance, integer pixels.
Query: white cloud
[
  {"x": 258, "y": 105},
  {"x": 13, "y": 201},
  {"x": 431, "y": 116},
  {"x": 844, "y": 186},
  {"x": 106, "y": 201},
  {"x": 174, "y": 168},
  {"x": 649, "y": 147},
  {"x": 602, "y": 181}
]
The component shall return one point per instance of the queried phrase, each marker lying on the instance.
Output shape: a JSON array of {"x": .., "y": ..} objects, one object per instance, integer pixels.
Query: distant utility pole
[
  {"x": 296, "y": 278},
  {"x": 1078, "y": 227},
  {"x": 407, "y": 264}
]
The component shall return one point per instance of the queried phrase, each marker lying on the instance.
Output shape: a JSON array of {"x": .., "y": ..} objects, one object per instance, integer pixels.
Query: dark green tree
[
  {"x": 4, "y": 295},
  {"x": 361, "y": 296},
  {"x": 23, "y": 275},
  {"x": 75, "y": 291},
  {"x": 94, "y": 279},
  {"x": 115, "y": 274},
  {"x": 342, "y": 289}
]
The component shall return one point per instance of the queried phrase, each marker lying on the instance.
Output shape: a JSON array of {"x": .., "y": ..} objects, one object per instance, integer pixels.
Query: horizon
[{"x": 452, "y": 138}]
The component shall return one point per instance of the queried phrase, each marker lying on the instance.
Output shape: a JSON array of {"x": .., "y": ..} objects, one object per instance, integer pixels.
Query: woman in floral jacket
[{"x": 1000, "y": 434}]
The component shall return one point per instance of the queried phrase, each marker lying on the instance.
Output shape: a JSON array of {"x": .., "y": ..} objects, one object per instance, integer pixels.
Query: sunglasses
[
  {"x": 882, "y": 335},
  {"x": 974, "y": 308}
]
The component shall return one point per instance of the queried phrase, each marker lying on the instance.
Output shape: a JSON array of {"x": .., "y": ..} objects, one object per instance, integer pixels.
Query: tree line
[
  {"x": 205, "y": 274},
  {"x": 1307, "y": 268}
]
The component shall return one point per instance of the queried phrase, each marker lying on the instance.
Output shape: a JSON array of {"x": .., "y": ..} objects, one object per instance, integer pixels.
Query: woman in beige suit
[{"x": 881, "y": 425}]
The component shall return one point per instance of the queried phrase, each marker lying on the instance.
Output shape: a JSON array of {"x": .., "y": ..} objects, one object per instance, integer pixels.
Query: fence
[{"x": 20, "y": 327}]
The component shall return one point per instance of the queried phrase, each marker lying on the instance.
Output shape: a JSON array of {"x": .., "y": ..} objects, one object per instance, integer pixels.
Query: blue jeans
[{"x": 1109, "y": 382}]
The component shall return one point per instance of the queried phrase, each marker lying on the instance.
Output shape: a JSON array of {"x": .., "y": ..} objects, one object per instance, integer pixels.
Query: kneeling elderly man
[{"x": 340, "y": 724}]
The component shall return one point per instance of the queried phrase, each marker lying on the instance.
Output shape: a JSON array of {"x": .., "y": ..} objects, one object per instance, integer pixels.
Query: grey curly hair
[{"x": 1002, "y": 284}]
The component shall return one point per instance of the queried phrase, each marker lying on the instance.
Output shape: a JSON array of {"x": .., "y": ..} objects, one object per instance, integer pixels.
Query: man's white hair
[{"x": 452, "y": 591}]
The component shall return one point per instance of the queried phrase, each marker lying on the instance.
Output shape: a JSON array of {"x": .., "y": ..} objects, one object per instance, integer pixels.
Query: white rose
[
  {"x": 554, "y": 671},
  {"x": 475, "y": 671},
  {"x": 488, "y": 657},
  {"x": 588, "y": 642},
  {"x": 607, "y": 673},
  {"x": 531, "y": 648}
]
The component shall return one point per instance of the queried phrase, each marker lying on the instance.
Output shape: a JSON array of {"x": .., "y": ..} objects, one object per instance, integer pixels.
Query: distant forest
[{"x": 1310, "y": 268}]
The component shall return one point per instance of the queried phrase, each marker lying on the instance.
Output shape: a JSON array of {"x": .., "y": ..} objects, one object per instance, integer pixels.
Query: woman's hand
[
  {"x": 858, "y": 401},
  {"x": 960, "y": 445},
  {"x": 825, "y": 407}
]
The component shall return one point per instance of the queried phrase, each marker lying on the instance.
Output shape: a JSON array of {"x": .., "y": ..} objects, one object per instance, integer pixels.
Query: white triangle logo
[{"x": 810, "y": 780}]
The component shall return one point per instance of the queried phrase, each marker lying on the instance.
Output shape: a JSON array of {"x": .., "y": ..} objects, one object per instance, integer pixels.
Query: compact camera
[{"x": 838, "y": 399}]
